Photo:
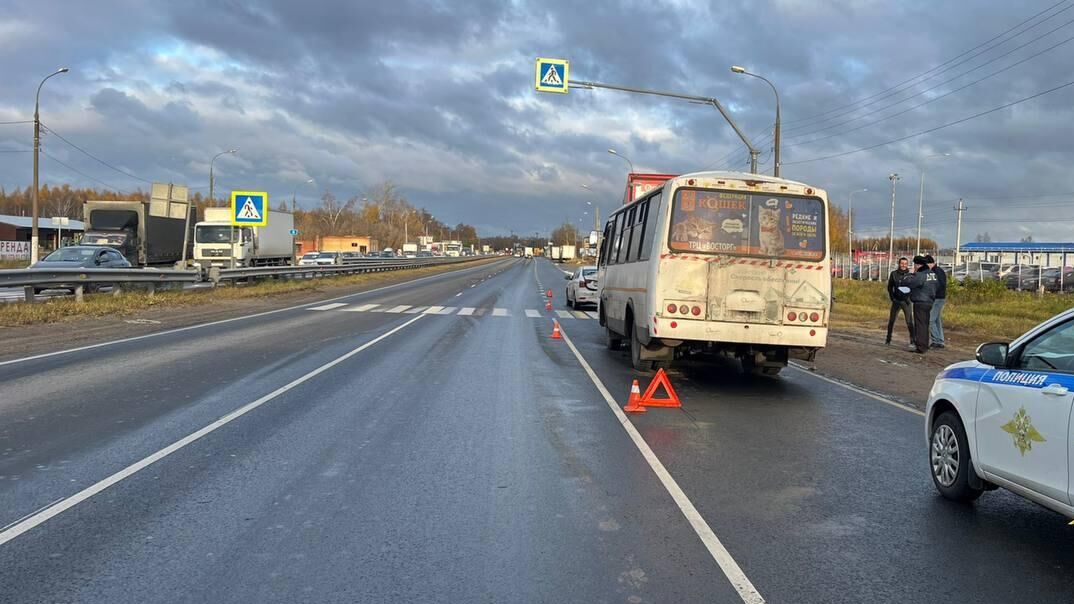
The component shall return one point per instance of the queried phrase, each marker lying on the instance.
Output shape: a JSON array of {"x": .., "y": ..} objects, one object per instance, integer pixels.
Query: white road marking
[
  {"x": 580, "y": 315},
  {"x": 458, "y": 294},
  {"x": 564, "y": 314},
  {"x": 480, "y": 312},
  {"x": 592, "y": 314},
  {"x": 500, "y": 312},
  {"x": 467, "y": 311},
  {"x": 231, "y": 320},
  {"x": 857, "y": 390},
  {"x": 446, "y": 310},
  {"x": 719, "y": 553},
  {"x": 328, "y": 306},
  {"x": 432, "y": 310},
  {"x": 416, "y": 310},
  {"x": 361, "y": 308},
  {"x": 398, "y": 309},
  {"x": 533, "y": 314},
  {"x": 55, "y": 510}
]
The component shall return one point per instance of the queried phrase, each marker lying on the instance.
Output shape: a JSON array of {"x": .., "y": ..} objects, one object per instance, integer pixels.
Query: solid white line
[
  {"x": 719, "y": 553},
  {"x": 533, "y": 314},
  {"x": 500, "y": 312},
  {"x": 398, "y": 309},
  {"x": 857, "y": 390},
  {"x": 232, "y": 319},
  {"x": 362, "y": 308},
  {"x": 70, "y": 502},
  {"x": 564, "y": 314},
  {"x": 328, "y": 306},
  {"x": 466, "y": 311}
]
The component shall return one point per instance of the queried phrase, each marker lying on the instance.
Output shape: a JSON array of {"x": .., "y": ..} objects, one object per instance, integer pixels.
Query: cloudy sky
[{"x": 438, "y": 97}]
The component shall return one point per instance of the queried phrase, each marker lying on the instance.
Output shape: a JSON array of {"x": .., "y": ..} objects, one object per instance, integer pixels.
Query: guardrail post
[
  {"x": 28, "y": 293},
  {"x": 79, "y": 291},
  {"x": 152, "y": 289},
  {"x": 116, "y": 290}
]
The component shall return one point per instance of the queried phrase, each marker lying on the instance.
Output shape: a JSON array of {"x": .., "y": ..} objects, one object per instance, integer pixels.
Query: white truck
[
  {"x": 217, "y": 242},
  {"x": 557, "y": 253},
  {"x": 410, "y": 250},
  {"x": 567, "y": 252}
]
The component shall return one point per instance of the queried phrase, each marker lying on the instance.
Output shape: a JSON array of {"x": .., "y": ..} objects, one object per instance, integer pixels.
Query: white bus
[{"x": 720, "y": 262}]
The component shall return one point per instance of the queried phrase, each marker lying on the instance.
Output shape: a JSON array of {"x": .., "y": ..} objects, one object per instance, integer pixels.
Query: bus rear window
[{"x": 746, "y": 224}]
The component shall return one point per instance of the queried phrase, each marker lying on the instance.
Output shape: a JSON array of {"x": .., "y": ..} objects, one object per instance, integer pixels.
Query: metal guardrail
[{"x": 78, "y": 278}]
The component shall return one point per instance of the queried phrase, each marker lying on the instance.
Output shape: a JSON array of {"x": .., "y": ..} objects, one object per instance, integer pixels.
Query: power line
[
  {"x": 934, "y": 129},
  {"x": 932, "y": 100},
  {"x": 80, "y": 172},
  {"x": 941, "y": 65},
  {"x": 16, "y": 150},
  {"x": 94, "y": 157},
  {"x": 16, "y": 122}
]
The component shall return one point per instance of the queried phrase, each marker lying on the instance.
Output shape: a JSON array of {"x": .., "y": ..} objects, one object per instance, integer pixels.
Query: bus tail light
[
  {"x": 792, "y": 316},
  {"x": 815, "y": 317},
  {"x": 696, "y": 311},
  {"x": 684, "y": 309},
  {"x": 672, "y": 308}
]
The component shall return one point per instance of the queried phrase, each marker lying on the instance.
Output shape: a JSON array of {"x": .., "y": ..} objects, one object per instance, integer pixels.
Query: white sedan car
[
  {"x": 309, "y": 259},
  {"x": 582, "y": 287},
  {"x": 1004, "y": 419}
]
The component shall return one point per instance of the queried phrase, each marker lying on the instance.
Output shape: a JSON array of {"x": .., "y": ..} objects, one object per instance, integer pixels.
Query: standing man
[
  {"x": 936, "y": 317},
  {"x": 922, "y": 284},
  {"x": 900, "y": 301}
]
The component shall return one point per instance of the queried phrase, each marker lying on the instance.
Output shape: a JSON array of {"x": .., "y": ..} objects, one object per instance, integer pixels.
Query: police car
[{"x": 1004, "y": 420}]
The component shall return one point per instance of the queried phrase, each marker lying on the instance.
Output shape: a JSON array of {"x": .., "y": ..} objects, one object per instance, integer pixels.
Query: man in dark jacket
[
  {"x": 900, "y": 301},
  {"x": 936, "y": 316},
  {"x": 922, "y": 284}
]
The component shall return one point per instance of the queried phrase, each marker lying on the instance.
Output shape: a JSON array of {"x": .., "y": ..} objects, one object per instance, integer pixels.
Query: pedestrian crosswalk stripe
[
  {"x": 432, "y": 310},
  {"x": 533, "y": 314},
  {"x": 362, "y": 308},
  {"x": 416, "y": 310},
  {"x": 398, "y": 309},
  {"x": 466, "y": 311},
  {"x": 580, "y": 315},
  {"x": 500, "y": 312},
  {"x": 329, "y": 306},
  {"x": 563, "y": 314},
  {"x": 592, "y": 314}
]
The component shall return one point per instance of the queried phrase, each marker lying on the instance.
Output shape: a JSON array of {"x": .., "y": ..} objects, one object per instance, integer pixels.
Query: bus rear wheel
[{"x": 636, "y": 361}]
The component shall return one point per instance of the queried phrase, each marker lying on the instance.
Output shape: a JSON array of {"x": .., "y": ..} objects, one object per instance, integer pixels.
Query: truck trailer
[{"x": 146, "y": 233}]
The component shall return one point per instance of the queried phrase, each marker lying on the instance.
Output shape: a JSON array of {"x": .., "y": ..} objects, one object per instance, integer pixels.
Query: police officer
[{"x": 922, "y": 284}]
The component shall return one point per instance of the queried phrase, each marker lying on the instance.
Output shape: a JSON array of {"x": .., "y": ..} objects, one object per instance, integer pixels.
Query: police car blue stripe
[{"x": 1006, "y": 377}]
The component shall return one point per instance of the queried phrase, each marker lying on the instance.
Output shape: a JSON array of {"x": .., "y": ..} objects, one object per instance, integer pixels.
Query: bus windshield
[{"x": 747, "y": 224}]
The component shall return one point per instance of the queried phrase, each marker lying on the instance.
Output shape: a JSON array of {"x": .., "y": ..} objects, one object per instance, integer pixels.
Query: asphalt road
[{"x": 429, "y": 442}]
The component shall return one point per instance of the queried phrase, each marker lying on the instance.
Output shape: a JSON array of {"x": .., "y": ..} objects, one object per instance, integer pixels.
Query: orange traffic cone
[
  {"x": 548, "y": 305},
  {"x": 634, "y": 404},
  {"x": 555, "y": 331},
  {"x": 672, "y": 399}
]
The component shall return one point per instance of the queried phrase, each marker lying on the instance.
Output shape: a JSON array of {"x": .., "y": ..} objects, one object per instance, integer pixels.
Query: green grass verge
[
  {"x": 134, "y": 301},
  {"x": 983, "y": 311}
]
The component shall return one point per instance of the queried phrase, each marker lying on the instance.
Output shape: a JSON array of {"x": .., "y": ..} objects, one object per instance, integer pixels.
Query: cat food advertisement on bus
[{"x": 747, "y": 224}]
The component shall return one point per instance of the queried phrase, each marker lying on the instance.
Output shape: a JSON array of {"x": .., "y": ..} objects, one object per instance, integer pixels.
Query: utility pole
[
  {"x": 960, "y": 208},
  {"x": 893, "y": 177}
]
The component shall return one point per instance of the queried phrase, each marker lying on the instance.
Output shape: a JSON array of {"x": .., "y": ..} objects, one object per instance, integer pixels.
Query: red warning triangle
[{"x": 661, "y": 379}]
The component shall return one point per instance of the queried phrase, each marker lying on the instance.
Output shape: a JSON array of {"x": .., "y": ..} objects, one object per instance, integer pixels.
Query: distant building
[
  {"x": 15, "y": 232},
  {"x": 1046, "y": 254},
  {"x": 337, "y": 243}
]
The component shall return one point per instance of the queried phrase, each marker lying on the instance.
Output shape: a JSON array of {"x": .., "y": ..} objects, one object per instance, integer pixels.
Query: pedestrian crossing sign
[
  {"x": 249, "y": 208},
  {"x": 552, "y": 75}
]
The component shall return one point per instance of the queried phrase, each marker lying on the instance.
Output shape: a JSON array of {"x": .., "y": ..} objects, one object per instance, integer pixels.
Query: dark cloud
[{"x": 438, "y": 97}]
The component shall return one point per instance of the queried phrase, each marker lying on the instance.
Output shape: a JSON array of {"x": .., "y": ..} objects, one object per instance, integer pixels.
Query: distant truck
[
  {"x": 557, "y": 255},
  {"x": 270, "y": 245},
  {"x": 410, "y": 248},
  {"x": 639, "y": 184},
  {"x": 529, "y": 251},
  {"x": 142, "y": 231},
  {"x": 567, "y": 252}
]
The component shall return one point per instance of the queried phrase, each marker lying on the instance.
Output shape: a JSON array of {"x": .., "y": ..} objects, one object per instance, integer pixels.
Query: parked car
[
  {"x": 309, "y": 259},
  {"x": 352, "y": 256},
  {"x": 1053, "y": 280},
  {"x": 82, "y": 256},
  {"x": 1003, "y": 420},
  {"x": 387, "y": 254},
  {"x": 582, "y": 287},
  {"x": 425, "y": 254},
  {"x": 328, "y": 259},
  {"x": 1019, "y": 276}
]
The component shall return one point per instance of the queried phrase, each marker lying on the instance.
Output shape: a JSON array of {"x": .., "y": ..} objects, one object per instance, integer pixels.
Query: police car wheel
[{"x": 949, "y": 459}]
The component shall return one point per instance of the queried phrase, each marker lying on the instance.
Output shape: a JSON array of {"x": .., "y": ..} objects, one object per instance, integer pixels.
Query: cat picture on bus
[{"x": 770, "y": 235}]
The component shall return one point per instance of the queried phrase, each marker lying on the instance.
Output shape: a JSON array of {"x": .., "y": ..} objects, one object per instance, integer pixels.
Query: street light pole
[
  {"x": 893, "y": 177},
  {"x": 294, "y": 194},
  {"x": 212, "y": 182},
  {"x": 776, "y": 135},
  {"x": 34, "y": 233},
  {"x": 617, "y": 154},
  {"x": 921, "y": 200},
  {"x": 850, "y": 223}
]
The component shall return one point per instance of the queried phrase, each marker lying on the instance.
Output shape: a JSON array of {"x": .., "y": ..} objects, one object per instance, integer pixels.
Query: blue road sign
[
  {"x": 249, "y": 208},
  {"x": 552, "y": 75},
  {"x": 294, "y": 232}
]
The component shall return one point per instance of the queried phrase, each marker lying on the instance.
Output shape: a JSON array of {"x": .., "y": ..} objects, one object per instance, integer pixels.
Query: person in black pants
[
  {"x": 900, "y": 302},
  {"x": 922, "y": 284}
]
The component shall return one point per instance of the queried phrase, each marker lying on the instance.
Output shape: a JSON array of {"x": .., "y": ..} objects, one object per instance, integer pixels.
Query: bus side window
[
  {"x": 625, "y": 254},
  {"x": 605, "y": 244},
  {"x": 652, "y": 215}
]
